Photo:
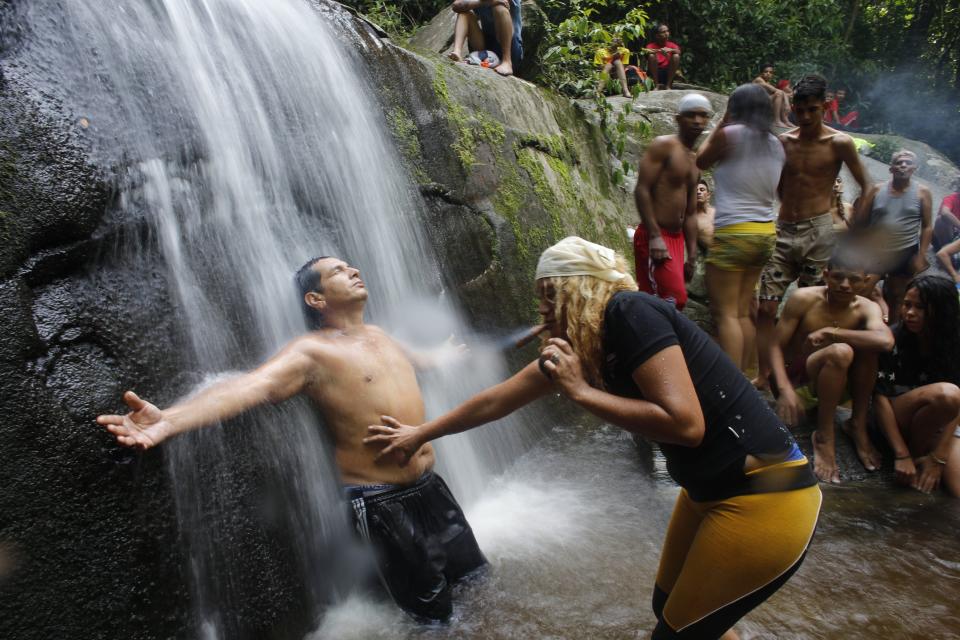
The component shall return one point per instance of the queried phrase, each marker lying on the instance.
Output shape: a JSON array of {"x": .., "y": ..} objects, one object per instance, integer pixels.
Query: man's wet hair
[
  {"x": 766, "y": 65},
  {"x": 704, "y": 182},
  {"x": 848, "y": 256},
  {"x": 309, "y": 279},
  {"x": 810, "y": 86}
]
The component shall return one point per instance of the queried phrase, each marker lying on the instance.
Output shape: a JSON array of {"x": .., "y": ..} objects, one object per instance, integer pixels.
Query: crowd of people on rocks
[{"x": 822, "y": 302}]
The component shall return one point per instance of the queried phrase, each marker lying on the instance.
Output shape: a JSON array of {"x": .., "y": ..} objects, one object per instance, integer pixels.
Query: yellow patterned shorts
[{"x": 743, "y": 246}]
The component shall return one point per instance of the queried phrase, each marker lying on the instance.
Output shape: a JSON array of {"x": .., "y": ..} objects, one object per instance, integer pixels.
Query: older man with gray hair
[{"x": 899, "y": 222}]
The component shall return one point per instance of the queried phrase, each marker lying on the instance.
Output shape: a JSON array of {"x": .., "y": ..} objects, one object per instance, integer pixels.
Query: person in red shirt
[
  {"x": 946, "y": 228},
  {"x": 663, "y": 58},
  {"x": 848, "y": 120},
  {"x": 831, "y": 113}
]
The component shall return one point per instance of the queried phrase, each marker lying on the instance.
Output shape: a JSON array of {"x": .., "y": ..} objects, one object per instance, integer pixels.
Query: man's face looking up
[
  {"x": 903, "y": 166},
  {"x": 339, "y": 281}
]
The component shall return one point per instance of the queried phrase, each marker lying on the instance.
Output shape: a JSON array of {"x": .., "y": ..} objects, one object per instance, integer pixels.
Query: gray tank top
[{"x": 899, "y": 217}]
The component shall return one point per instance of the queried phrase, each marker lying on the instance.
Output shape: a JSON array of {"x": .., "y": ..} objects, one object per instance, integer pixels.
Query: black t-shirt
[
  {"x": 906, "y": 368},
  {"x": 738, "y": 421}
]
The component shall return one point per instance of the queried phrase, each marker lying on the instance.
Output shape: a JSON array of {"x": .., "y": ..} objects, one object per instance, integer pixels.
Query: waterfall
[{"x": 248, "y": 139}]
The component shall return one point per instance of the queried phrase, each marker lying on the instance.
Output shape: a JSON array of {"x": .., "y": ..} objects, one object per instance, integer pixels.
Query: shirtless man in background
[
  {"x": 815, "y": 154},
  {"x": 828, "y": 337},
  {"x": 354, "y": 373},
  {"x": 666, "y": 197},
  {"x": 705, "y": 216},
  {"x": 778, "y": 99}
]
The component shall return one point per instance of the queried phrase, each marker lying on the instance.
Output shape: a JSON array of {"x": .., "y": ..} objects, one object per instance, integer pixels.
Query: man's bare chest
[
  {"x": 811, "y": 160},
  {"x": 680, "y": 171},
  {"x": 823, "y": 317}
]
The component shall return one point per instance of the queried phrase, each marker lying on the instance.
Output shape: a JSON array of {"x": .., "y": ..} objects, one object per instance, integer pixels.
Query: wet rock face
[
  {"x": 88, "y": 526},
  {"x": 49, "y": 196}
]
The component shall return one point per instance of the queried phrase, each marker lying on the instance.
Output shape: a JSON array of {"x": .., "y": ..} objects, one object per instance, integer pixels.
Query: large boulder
[
  {"x": 74, "y": 530},
  {"x": 506, "y": 169}
]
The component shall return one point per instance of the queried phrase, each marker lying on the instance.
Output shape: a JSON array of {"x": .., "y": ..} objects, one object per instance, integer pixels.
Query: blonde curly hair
[{"x": 579, "y": 303}]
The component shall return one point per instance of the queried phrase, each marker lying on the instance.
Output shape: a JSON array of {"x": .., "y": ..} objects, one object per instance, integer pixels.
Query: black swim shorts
[{"x": 422, "y": 540}]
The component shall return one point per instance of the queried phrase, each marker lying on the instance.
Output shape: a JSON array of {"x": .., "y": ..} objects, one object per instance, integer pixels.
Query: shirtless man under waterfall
[{"x": 354, "y": 373}]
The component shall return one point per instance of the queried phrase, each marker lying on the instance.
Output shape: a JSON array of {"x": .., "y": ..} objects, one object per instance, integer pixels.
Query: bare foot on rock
[
  {"x": 824, "y": 460},
  {"x": 504, "y": 69},
  {"x": 870, "y": 458},
  {"x": 453, "y": 55}
]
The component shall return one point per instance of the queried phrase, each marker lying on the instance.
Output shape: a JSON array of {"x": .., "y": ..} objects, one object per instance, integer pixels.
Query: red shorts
[{"x": 663, "y": 279}]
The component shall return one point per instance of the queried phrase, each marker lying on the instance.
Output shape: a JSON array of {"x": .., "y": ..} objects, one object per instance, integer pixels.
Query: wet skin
[{"x": 352, "y": 372}]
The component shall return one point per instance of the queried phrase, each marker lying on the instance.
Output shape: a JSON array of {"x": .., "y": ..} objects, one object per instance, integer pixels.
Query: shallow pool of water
[{"x": 573, "y": 533}]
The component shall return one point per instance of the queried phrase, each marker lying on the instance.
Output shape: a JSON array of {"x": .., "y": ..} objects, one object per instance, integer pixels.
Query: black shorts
[
  {"x": 422, "y": 540},
  {"x": 897, "y": 263}
]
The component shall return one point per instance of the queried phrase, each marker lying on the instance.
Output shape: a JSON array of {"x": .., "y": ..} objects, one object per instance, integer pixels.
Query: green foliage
[
  {"x": 398, "y": 19},
  {"x": 725, "y": 42},
  {"x": 883, "y": 149},
  {"x": 574, "y": 30}
]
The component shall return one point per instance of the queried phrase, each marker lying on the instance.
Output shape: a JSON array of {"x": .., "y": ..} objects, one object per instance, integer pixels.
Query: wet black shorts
[
  {"x": 422, "y": 541},
  {"x": 897, "y": 263}
]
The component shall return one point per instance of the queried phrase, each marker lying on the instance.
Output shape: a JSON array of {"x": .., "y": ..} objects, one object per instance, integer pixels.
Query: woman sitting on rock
[
  {"x": 749, "y": 502},
  {"x": 917, "y": 397}
]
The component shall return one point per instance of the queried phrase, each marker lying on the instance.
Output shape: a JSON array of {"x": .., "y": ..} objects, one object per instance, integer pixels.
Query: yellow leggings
[{"x": 721, "y": 559}]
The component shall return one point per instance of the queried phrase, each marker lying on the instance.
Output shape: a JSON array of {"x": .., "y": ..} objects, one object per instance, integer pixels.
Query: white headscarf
[
  {"x": 575, "y": 256},
  {"x": 692, "y": 101}
]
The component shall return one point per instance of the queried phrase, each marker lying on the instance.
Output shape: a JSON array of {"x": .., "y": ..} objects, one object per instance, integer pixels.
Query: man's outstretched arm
[{"x": 146, "y": 426}]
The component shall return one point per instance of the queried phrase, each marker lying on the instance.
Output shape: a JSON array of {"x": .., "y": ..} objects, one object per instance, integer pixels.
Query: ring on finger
[{"x": 555, "y": 359}]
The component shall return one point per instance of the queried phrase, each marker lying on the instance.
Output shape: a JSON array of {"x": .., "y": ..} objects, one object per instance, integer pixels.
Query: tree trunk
[{"x": 854, "y": 14}]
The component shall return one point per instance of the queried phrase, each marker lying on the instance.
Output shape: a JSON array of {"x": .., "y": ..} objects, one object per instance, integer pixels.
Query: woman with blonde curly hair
[{"x": 749, "y": 501}]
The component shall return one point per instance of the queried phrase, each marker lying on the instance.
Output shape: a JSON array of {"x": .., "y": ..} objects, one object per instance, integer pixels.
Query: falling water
[{"x": 250, "y": 145}]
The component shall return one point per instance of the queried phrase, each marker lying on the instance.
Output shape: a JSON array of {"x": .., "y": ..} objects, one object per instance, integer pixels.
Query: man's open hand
[{"x": 144, "y": 427}]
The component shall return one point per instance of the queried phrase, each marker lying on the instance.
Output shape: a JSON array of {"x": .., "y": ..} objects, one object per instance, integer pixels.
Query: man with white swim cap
[{"x": 666, "y": 197}]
